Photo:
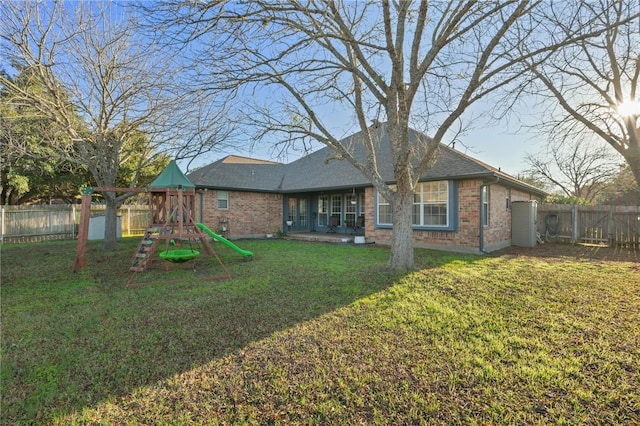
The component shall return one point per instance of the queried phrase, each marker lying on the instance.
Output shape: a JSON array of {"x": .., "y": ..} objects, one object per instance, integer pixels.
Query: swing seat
[{"x": 178, "y": 256}]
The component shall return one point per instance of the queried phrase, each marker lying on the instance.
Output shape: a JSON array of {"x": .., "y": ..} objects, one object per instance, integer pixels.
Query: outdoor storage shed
[
  {"x": 96, "y": 228},
  {"x": 524, "y": 221}
]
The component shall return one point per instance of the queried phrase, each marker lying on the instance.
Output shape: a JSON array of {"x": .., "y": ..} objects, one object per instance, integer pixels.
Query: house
[{"x": 461, "y": 205}]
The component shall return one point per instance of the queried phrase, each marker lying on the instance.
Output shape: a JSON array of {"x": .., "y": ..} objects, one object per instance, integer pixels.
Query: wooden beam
[
  {"x": 83, "y": 233},
  {"x": 116, "y": 189}
]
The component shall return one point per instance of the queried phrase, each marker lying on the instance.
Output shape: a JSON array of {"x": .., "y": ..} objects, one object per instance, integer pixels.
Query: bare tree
[
  {"x": 407, "y": 63},
  {"x": 590, "y": 87},
  {"x": 104, "y": 84},
  {"x": 580, "y": 170}
]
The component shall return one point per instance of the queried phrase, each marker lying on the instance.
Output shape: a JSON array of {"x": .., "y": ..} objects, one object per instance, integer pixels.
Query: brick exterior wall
[
  {"x": 253, "y": 214},
  {"x": 250, "y": 214},
  {"x": 497, "y": 234}
]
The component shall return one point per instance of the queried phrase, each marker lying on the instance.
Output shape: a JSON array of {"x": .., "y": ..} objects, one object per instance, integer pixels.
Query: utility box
[
  {"x": 524, "y": 223},
  {"x": 96, "y": 228}
]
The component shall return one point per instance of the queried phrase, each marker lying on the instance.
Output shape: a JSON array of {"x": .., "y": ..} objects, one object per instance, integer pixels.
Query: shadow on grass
[
  {"x": 71, "y": 341},
  {"x": 587, "y": 252}
]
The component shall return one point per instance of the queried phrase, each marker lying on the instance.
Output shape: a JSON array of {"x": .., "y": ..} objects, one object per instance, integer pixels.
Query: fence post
[
  {"x": 128, "y": 221},
  {"x": 611, "y": 225},
  {"x": 73, "y": 221},
  {"x": 2, "y": 225},
  {"x": 574, "y": 224}
]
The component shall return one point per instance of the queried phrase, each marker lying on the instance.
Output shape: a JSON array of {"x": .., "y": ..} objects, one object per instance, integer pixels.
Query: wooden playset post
[{"x": 83, "y": 231}]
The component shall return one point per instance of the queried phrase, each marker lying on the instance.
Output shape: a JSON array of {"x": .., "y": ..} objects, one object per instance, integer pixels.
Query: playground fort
[{"x": 172, "y": 232}]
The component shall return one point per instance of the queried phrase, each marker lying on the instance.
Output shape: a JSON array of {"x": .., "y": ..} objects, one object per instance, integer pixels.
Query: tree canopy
[{"x": 103, "y": 85}]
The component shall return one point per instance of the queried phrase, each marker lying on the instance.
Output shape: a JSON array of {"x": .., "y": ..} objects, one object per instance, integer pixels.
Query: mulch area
[{"x": 576, "y": 251}]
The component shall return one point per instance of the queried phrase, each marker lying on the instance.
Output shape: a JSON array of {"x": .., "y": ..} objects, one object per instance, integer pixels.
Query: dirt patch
[{"x": 575, "y": 251}]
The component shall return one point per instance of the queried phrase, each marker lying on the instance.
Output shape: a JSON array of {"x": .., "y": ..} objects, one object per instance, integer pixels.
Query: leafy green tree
[
  {"x": 31, "y": 170},
  {"x": 102, "y": 85}
]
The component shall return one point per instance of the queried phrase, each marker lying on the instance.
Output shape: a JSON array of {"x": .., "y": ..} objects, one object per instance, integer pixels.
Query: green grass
[{"x": 322, "y": 334}]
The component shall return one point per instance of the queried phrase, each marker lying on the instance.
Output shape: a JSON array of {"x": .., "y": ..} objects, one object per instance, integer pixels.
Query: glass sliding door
[
  {"x": 303, "y": 212},
  {"x": 336, "y": 210},
  {"x": 323, "y": 211},
  {"x": 350, "y": 209},
  {"x": 292, "y": 211}
]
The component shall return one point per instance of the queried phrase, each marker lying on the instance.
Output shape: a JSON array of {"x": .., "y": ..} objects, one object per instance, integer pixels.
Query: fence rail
[
  {"x": 619, "y": 225},
  {"x": 40, "y": 223}
]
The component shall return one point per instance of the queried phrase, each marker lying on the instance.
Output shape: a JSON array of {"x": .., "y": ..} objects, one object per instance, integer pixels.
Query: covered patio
[{"x": 326, "y": 237}]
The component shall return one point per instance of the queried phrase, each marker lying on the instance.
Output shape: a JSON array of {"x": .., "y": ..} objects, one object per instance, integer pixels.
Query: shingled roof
[{"x": 315, "y": 172}]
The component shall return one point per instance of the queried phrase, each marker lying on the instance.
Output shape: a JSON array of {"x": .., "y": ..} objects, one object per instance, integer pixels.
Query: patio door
[
  {"x": 298, "y": 213},
  {"x": 323, "y": 211},
  {"x": 303, "y": 213},
  {"x": 350, "y": 209},
  {"x": 336, "y": 209}
]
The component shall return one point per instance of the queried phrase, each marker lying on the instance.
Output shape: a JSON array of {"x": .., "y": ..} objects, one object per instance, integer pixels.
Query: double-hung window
[
  {"x": 431, "y": 204},
  {"x": 485, "y": 206},
  {"x": 384, "y": 211},
  {"x": 434, "y": 207},
  {"x": 223, "y": 200}
]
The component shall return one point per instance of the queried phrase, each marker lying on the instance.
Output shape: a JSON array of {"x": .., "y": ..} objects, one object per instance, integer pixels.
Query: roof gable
[{"x": 240, "y": 173}]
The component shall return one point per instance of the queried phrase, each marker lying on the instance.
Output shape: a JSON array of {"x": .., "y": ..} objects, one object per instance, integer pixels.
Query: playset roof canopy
[{"x": 172, "y": 177}]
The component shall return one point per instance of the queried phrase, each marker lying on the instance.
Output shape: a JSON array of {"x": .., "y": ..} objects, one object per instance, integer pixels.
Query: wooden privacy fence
[
  {"x": 55, "y": 222},
  {"x": 610, "y": 225}
]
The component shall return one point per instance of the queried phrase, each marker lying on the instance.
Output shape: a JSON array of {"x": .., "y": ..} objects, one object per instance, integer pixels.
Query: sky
[{"x": 502, "y": 145}]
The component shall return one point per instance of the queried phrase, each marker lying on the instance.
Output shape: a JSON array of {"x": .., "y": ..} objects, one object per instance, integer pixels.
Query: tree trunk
[
  {"x": 110, "y": 223},
  {"x": 401, "y": 257},
  {"x": 633, "y": 155}
]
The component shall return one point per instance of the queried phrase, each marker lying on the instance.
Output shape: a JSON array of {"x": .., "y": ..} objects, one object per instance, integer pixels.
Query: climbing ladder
[{"x": 143, "y": 256}]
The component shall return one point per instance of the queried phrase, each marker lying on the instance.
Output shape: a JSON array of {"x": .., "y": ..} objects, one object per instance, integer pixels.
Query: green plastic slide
[{"x": 223, "y": 240}]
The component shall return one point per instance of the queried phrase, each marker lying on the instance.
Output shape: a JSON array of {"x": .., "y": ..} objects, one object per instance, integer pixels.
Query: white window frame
[
  {"x": 381, "y": 201},
  {"x": 323, "y": 210},
  {"x": 222, "y": 196},
  {"x": 422, "y": 198},
  {"x": 485, "y": 205}
]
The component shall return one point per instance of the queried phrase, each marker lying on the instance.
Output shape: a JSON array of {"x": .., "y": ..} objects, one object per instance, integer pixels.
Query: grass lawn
[{"x": 321, "y": 334}]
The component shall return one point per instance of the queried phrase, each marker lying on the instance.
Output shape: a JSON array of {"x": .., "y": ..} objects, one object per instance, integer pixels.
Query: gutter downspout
[
  {"x": 480, "y": 224},
  {"x": 202, "y": 204}
]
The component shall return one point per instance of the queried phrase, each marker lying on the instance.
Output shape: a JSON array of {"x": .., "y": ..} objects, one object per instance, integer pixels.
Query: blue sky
[{"x": 502, "y": 145}]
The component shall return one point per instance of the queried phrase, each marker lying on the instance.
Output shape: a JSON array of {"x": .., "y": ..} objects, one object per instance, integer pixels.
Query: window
[
  {"x": 430, "y": 204},
  {"x": 485, "y": 206},
  {"x": 434, "y": 207},
  {"x": 223, "y": 200},
  {"x": 385, "y": 212}
]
